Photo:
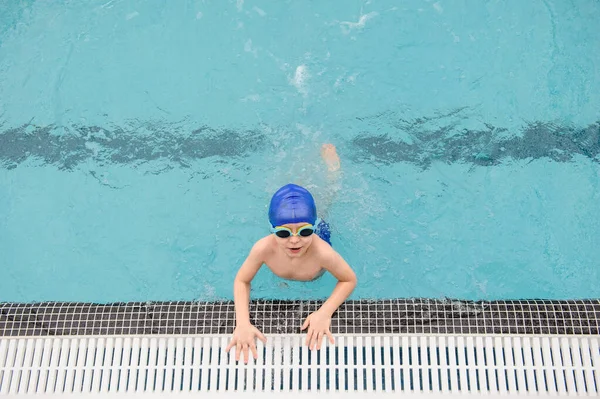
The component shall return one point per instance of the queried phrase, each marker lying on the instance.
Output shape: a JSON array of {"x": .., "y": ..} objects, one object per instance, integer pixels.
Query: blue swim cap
[{"x": 292, "y": 204}]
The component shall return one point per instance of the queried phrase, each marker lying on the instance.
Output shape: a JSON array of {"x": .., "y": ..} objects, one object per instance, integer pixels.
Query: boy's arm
[
  {"x": 339, "y": 268},
  {"x": 241, "y": 284},
  {"x": 320, "y": 320}
]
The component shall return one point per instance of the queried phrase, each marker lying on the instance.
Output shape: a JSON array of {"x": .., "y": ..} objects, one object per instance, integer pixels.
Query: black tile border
[{"x": 396, "y": 316}]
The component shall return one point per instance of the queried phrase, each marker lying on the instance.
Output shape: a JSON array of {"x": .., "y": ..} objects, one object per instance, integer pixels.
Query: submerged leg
[
  {"x": 334, "y": 169},
  {"x": 330, "y": 157}
]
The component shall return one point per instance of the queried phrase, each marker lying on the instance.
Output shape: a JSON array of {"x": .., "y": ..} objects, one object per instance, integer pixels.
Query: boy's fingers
[
  {"x": 238, "y": 351},
  {"x": 261, "y": 337},
  {"x": 246, "y": 353},
  {"x": 330, "y": 335},
  {"x": 231, "y": 343},
  {"x": 253, "y": 349},
  {"x": 306, "y": 322},
  {"x": 313, "y": 339},
  {"x": 319, "y": 340},
  {"x": 308, "y": 337}
]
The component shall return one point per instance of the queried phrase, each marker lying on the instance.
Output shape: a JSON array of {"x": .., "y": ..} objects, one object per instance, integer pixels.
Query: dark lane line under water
[{"x": 65, "y": 147}]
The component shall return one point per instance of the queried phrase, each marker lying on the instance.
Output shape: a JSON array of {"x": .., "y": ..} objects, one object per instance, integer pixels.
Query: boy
[{"x": 293, "y": 252}]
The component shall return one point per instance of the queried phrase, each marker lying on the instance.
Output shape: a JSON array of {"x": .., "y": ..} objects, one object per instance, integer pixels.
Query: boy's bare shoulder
[
  {"x": 324, "y": 251},
  {"x": 263, "y": 247},
  {"x": 334, "y": 263}
]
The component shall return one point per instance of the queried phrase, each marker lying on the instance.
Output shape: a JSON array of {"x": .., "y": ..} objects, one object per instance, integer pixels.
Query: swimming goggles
[{"x": 284, "y": 232}]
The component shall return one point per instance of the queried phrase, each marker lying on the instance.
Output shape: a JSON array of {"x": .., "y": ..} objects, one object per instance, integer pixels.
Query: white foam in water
[
  {"x": 251, "y": 97},
  {"x": 347, "y": 27},
  {"x": 107, "y": 5},
  {"x": 249, "y": 49},
  {"x": 299, "y": 80},
  {"x": 347, "y": 79},
  {"x": 132, "y": 15},
  {"x": 259, "y": 11}
]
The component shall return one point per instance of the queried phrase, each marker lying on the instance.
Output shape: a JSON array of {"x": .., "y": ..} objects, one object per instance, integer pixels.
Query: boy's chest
[{"x": 298, "y": 269}]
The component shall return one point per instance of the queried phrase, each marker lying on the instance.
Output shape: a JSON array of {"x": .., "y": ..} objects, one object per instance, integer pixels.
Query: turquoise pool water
[{"x": 140, "y": 143}]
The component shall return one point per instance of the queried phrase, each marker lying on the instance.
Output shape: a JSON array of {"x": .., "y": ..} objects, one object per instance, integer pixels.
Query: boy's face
[{"x": 295, "y": 245}]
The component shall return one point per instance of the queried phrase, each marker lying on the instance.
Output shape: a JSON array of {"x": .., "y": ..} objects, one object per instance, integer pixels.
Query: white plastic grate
[{"x": 368, "y": 363}]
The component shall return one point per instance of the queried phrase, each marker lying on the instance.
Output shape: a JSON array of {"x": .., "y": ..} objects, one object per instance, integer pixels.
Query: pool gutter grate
[
  {"x": 386, "y": 316},
  {"x": 513, "y": 365}
]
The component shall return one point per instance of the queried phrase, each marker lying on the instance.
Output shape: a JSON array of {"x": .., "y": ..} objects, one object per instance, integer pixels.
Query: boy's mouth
[{"x": 295, "y": 250}]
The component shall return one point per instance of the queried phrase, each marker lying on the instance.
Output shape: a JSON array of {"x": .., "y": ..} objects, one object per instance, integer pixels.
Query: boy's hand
[
  {"x": 243, "y": 338},
  {"x": 318, "y": 326}
]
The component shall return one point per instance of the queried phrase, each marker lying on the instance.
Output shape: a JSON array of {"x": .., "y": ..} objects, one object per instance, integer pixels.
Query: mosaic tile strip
[{"x": 422, "y": 316}]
